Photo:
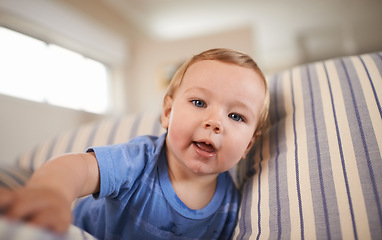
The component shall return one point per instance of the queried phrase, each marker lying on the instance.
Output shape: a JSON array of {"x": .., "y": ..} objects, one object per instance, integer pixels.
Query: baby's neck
[{"x": 194, "y": 190}]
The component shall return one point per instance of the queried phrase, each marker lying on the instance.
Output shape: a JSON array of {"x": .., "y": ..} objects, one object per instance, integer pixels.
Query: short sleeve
[{"x": 121, "y": 165}]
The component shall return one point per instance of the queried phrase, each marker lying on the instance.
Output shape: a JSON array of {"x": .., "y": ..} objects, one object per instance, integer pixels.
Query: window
[{"x": 38, "y": 71}]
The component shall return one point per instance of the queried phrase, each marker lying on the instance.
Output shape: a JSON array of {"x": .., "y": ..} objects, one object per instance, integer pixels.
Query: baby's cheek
[
  {"x": 173, "y": 130},
  {"x": 238, "y": 149},
  {"x": 176, "y": 133}
]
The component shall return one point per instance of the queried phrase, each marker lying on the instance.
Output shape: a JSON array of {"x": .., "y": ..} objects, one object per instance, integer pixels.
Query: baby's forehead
[
  {"x": 206, "y": 69},
  {"x": 224, "y": 78},
  {"x": 210, "y": 64}
]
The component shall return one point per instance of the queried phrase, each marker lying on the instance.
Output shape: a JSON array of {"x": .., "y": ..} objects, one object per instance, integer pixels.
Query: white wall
[
  {"x": 295, "y": 32},
  {"x": 25, "y": 124},
  {"x": 277, "y": 35},
  {"x": 150, "y": 56},
  {"x": 59, "y": 22}
]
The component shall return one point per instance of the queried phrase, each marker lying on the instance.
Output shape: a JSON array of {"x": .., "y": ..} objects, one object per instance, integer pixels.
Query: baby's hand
[{"x": 43, "y": 207}]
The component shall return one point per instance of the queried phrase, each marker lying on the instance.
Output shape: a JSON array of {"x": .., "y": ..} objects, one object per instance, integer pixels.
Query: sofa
[{"x": 315, "y": 173}]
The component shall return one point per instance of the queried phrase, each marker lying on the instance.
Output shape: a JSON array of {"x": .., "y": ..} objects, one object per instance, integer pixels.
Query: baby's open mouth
[{"x": 205, "y": 147}]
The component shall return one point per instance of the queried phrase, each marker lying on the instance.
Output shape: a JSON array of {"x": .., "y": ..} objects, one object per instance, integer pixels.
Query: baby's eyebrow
[
  {"x": 244, "y": 107},
  {"x": 202, "y": 89}
]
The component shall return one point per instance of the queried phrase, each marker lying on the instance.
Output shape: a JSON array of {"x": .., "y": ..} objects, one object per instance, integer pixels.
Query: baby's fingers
[
  {"x": 55, "y": 222},
  {"x": 19, "y": 209},
  {"x": 38, "y": 206},
  {"x": 25, "y": 204},
  {"x": 41, "y": 207},
  {"x": 6, "y": 198}
]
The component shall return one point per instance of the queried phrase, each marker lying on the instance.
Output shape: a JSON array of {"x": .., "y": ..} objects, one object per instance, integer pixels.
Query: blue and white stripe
[
  {"x": 319, "y": 165},
  {"x": 105, "y": 132}
]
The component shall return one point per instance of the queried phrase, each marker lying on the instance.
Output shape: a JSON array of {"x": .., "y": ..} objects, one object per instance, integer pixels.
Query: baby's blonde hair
[{"x": 226, "y": 56}]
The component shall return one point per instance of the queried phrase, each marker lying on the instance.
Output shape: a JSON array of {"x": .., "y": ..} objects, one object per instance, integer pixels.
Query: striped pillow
[
  {"x": 104, "y": 132},
  {"x": 13, "y": 177},
  {"x": 317, "y": 171}
]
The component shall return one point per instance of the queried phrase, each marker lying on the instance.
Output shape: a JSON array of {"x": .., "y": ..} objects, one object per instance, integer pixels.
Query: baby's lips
[{"x": 205, "y": 147}]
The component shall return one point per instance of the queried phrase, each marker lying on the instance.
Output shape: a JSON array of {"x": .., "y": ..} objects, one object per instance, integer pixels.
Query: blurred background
[{"x": 68, "y": 62}]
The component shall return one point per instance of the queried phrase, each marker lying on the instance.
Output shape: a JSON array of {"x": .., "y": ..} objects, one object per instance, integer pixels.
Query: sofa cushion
[
  {"x": 13, "y": 177},
  {"x": 317, "y": 171},
  {"x": 105, "y": 132}
]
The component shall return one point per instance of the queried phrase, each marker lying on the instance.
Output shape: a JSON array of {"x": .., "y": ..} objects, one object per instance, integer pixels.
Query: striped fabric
[
  {"x": 317, "y": 171},
  {"x": 12, "y": 177},
  {"x": 105, "y": 132}
]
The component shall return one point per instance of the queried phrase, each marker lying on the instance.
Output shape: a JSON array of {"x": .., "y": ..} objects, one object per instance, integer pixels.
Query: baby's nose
[{"x": 215, "y": 125}]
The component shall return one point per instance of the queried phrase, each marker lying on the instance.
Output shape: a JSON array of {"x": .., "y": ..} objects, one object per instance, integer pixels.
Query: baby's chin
[{"x": 203, "y": 169}]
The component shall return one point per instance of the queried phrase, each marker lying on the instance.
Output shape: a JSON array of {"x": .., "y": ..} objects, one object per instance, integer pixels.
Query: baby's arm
[{"x": 47, "y": 197}]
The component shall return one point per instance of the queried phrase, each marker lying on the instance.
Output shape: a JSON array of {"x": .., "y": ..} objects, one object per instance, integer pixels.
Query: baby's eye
[
  {"x": 236, "y": 117},
  {"x": 199, "y": 103}
]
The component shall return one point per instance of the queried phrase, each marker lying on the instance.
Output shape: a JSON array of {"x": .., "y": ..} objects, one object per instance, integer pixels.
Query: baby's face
[{"x": 213, "y": 115}]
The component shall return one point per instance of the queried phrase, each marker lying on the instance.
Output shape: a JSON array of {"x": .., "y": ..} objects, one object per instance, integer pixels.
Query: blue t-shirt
[{"x": 137, "y": 201}]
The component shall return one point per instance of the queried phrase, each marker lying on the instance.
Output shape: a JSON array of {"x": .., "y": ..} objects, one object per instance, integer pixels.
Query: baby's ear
[
  {"x": 166, "y": 111},
  {"x": 253, "y": 140}
]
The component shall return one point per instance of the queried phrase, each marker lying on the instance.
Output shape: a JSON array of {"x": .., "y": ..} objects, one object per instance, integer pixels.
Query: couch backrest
[
  {"x": 317, "y": 171},
  {"x": 104, "y": 132}
]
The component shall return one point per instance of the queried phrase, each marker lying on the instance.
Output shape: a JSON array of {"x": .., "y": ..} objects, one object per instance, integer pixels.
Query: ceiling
[
  {"x": 283, "y": 32},
  {"x": 173, "y": 19}
]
